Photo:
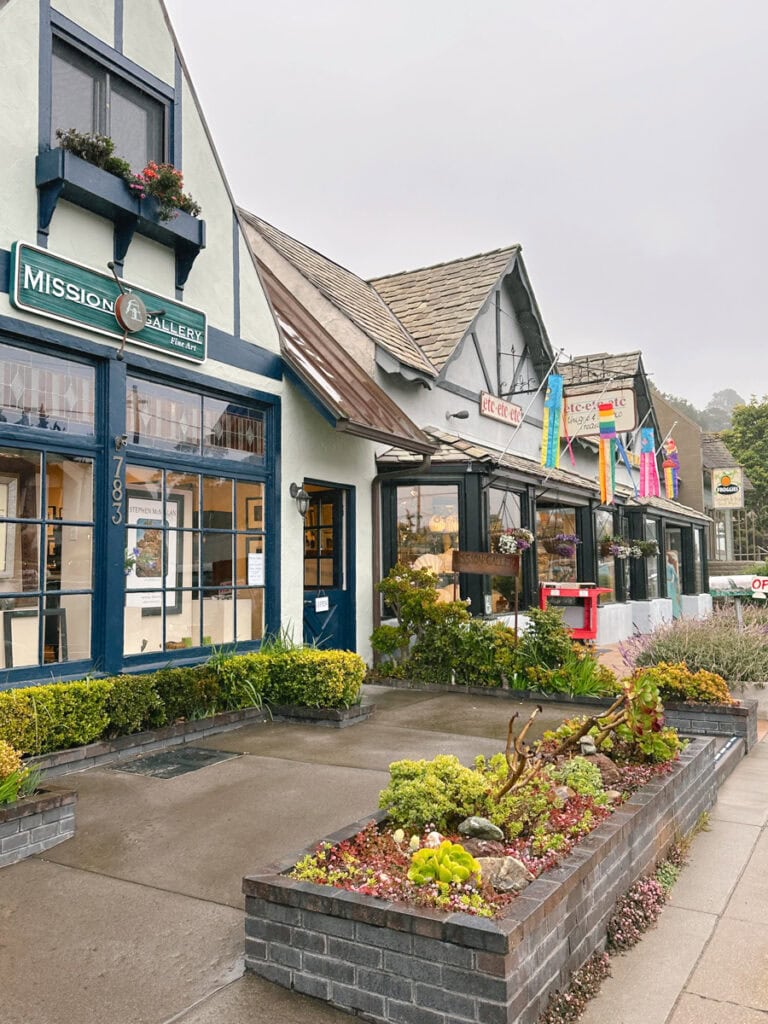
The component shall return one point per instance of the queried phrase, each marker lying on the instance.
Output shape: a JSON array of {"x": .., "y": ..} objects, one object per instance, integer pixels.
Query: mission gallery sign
[{"x": 52, "y": 286}]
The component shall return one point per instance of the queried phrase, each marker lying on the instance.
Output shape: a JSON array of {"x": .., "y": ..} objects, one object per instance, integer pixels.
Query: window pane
[
  {"x": 75, "y": 617},
  {"x": 217, "y": 560},
  {"x": 69, "y": 488},
  {"x": 606, "y": 563},
  {"x": 652, "y": 561},
  {"x": 428, "y": 530},
  {"x": 673, "y": 568},
  {"x": 503, "y": 513},
  {"x": 135, "y": 125},
  {"x": 217, "y": 503},
  {"x": 143, "y": 483},
  {"x": 232, "y": 432},
  {"x": 41, "y": 391},
  {"x": 187, "y": 487},
  {"x": 68, "y": 557},
  {"x": 218, "y": 620},
  {"x": 250, "y": 615},
  {"x": 250, "y": 560},
  {"x": 182, "y": 628},
  {"x": 161, "y": 417},
  {"x": 250, "y": 506},
  {"x": 20, "y": 475},
  {"x": 698, "y": 570},
  {"x": 75, "y": 93},
  {"x": 21, "y": 633},
  {"x": 555, "y": 548}
]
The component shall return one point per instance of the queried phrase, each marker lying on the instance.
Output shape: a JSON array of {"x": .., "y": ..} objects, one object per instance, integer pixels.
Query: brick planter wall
[
  {"x": 34, "y": 824},
  {"x": 391, "y": 962}
]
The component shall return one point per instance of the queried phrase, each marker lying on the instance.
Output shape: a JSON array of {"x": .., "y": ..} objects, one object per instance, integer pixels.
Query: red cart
[{"x": 586, "y": 593}]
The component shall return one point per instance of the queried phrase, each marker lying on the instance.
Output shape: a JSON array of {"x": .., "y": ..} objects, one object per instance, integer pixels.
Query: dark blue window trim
[
  {"x": 110, "y": 55},
  {"x": 176, "y": 140},
  {"x": 45, "y": 103},
  {"x": 222, "y": 347},
  {"x": 236, "y": 272}
]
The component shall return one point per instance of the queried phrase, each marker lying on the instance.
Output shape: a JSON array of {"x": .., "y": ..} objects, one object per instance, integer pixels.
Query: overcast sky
[{"x": 623, "y": 145}]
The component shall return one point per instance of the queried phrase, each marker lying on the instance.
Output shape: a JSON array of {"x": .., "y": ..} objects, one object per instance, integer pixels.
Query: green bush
[
  {"x": 677, "y": 682},
  {"x": 134, "y": 704},
  {"x": 187, "y": 693},
  {"x": 55, "y": 716},
  {"x": 243, "y": 679},
  {"x": 441, "y": 792},
  {"x": 314, "y": 678},
  {"x": 546, "y": 642}
]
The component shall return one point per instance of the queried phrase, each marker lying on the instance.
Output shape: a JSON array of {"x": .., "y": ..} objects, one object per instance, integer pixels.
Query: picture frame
[
  {"x": 158, "y": 566},
  {"x": 254, "y": 513}
]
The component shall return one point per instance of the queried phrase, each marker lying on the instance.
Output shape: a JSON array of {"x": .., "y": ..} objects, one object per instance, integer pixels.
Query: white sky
[{"x": 623, "y": 144}]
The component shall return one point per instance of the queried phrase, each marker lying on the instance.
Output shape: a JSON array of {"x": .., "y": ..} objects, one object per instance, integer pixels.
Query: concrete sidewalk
[{"x": 138, "y": 919}]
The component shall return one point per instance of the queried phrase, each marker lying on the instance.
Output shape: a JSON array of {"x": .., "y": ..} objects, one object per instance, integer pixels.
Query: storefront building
[
  {"x": 140, "y": 508},
  {"x": 462, "y": 350}
]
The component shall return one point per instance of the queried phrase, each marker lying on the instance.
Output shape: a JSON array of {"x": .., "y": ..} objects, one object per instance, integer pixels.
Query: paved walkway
[{"x": 138, "y": 919}]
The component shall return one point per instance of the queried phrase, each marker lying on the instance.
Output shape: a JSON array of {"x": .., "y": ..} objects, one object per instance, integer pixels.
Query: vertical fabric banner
[
  {"x": 671, "y": 467},
  {"x": 607, "y": 452},
  {"x": 553, "y": 411},
  {"x": 649, "y": 473}
]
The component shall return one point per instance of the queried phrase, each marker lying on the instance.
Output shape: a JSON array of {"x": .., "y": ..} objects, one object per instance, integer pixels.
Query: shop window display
[
  {"x": 503, "y": 514},
  {"x": 428, "y": 530},
  {"x": 556, "y": 544}
]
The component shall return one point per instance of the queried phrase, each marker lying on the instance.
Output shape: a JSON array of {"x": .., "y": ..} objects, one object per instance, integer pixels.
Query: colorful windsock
[
  {"x": 671, "y": 467},
  {"x": 553, "y": 410},
  {"x": 607, "y": 451},
  {"x": 649, "y": 473}
]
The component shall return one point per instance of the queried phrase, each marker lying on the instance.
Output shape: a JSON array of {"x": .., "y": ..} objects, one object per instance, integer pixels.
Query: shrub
[
  {"x": 546, "y": 642},
  {"x": 715, "y": 645},
  {"x": 134, "y": 704},
  {"x": 581, "y": 775},
  {"x": 677, "y": 682},
  {"x": 243, "y": 679},
  {"x": 41, "y": 719},
  {"x": 315, "y": 679},
  {"x": 441, "y": 792},
  {"x": 187, "y": 693}
]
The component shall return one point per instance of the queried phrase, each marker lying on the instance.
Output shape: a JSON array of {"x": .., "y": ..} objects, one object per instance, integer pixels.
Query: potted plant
[
  {"x": 514, "y": 539},
  {"x": 562, "y": 544},
  {"x": 647, "y": 548},
  {"x": 619, "y": 547}
]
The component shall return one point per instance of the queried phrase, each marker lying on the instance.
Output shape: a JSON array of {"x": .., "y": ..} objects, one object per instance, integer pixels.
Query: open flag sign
[{"x": 759, "y": 586}]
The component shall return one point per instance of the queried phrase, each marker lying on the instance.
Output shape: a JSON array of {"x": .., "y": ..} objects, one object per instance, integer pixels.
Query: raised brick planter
[
  {"x": 692, "y": 719},
  {"x": 335, "y": 718},
  {"x": 35, "y": 824},
  {"x": 391, "y": 962}
]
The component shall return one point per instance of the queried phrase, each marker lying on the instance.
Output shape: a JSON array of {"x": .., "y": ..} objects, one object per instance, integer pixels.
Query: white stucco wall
[
  {"x": 95, "y": 17},
  {"x": 146, "y": 39},
  {"x": 318, "y": 452}
]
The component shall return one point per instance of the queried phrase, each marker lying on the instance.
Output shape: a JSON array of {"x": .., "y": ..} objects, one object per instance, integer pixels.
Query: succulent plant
[{"x": 449, "y": 862}]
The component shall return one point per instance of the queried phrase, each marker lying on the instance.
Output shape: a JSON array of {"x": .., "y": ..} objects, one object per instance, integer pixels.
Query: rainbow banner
[
  {"x": 649, "y": 473},
  {"x": 553, "y": 411},
  {"x": 671, "y": 467},
  {"x": 607, "y": 452}
]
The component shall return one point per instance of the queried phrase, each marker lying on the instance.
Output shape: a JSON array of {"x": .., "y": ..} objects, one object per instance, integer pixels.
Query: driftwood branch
[{"x": 518, "y": 756}]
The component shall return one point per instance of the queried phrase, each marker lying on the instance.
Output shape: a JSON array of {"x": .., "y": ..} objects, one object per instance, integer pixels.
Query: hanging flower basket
[
  {"x": 514, "y": 539},
  {"x": 619, "y": 547},
  {"x": 647, "y": 548},
  {"x": 562, "y": 544}
]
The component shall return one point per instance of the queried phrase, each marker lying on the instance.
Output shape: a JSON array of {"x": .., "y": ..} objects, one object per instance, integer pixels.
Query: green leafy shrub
[
  {"x": 677, "y": 682},
  {"x": 546, "y": 642},
  {"x": 314, "y": 678},
  {"x": 95, "y": 149},
  {"x": 581, "y": 775},
  {"x": 41, "y": 719},
  {"x": 187, "y": 693},
  {"x": 449, "y": 863},
  {"x": 133, "y": 704},
  {"x": 243, "y": 679},
  {"x": 441, "y": 792},
  {"x": 16, "y": 781}
]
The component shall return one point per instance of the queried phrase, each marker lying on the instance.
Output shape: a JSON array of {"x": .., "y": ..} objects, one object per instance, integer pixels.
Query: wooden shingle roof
[
  {"x": 437, "y": 304},
  {"x": 349, "y": 293}
]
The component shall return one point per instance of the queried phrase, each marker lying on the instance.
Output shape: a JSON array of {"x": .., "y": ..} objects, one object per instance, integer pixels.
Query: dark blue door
[{"x": 328, "y": 572}]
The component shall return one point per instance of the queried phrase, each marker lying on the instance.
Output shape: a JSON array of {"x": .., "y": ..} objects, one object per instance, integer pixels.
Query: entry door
[{"x": 328, "y": 572}]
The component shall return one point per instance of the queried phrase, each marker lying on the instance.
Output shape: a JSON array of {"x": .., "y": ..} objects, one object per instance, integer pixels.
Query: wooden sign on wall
[{"x": 486, "y": 563}]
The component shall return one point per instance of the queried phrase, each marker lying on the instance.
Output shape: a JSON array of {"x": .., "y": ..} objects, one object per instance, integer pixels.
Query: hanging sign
[
  {"x": 582, "y": 413},
  {"x": 497, "y": 409},
  {"x": 728, "y": 488},
  {"x": 486, "y": 563},
  {"x": 58, "y": 288}
]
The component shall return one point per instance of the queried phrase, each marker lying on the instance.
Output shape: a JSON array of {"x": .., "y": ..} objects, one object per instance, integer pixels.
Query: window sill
[{"x": 62, "y": 175}]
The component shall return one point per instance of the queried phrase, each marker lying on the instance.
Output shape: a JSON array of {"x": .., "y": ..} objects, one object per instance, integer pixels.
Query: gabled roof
[
  {"x": 349, "y": 293},
  {"x": 715, "y": 454},
  {"x": 346, "y": 394},
  {"x": 437, "y": 304},
  {"x": 601, "y": 367}
]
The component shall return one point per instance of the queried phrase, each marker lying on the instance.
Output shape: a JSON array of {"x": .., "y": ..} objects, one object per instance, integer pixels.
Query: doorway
[{"x": 329, "y": 610}]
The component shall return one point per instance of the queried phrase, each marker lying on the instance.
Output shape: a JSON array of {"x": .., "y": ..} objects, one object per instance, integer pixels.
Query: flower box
[
  {"x": 60, "y": 174},
  {"x": 393, "y": 962},
  {"x": 35, "y": 823}
]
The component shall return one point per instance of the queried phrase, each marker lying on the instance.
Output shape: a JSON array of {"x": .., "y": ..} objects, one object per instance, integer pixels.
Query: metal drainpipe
[{"x": 396, "y": 474}]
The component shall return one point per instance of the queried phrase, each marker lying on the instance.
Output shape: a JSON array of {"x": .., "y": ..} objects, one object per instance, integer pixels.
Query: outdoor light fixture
[
  {"x": 302, "y": 499},
  {"x": 462, "y": 414}
]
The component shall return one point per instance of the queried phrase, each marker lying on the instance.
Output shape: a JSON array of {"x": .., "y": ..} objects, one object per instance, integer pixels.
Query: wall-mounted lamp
[
  {"x": 462, "y": 414},
  {"x": 121, "y": 440},
  {"x": 302, "y": 499}
]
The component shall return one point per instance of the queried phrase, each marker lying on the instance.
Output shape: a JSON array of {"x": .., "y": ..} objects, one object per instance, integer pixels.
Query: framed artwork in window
[
  {"x": 154, "y": 560},
  {"x": 254, "y": 513}
]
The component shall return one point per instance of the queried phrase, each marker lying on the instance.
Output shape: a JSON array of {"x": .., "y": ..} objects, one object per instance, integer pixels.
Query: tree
[
  {"x": 683, "y": 406},
  {"x": 748, "y": 441},
  {"x": 718, "y": 412}
]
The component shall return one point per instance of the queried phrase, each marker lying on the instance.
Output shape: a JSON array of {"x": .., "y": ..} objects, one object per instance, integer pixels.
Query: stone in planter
[
  {"x": 506, "y": 874},
  {"x": 480, "y": 828},
  {"x": 35, "y": 823}
]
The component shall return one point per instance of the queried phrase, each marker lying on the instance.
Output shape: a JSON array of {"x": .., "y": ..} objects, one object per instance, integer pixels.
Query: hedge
[{"x": 55, "y": 716}]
